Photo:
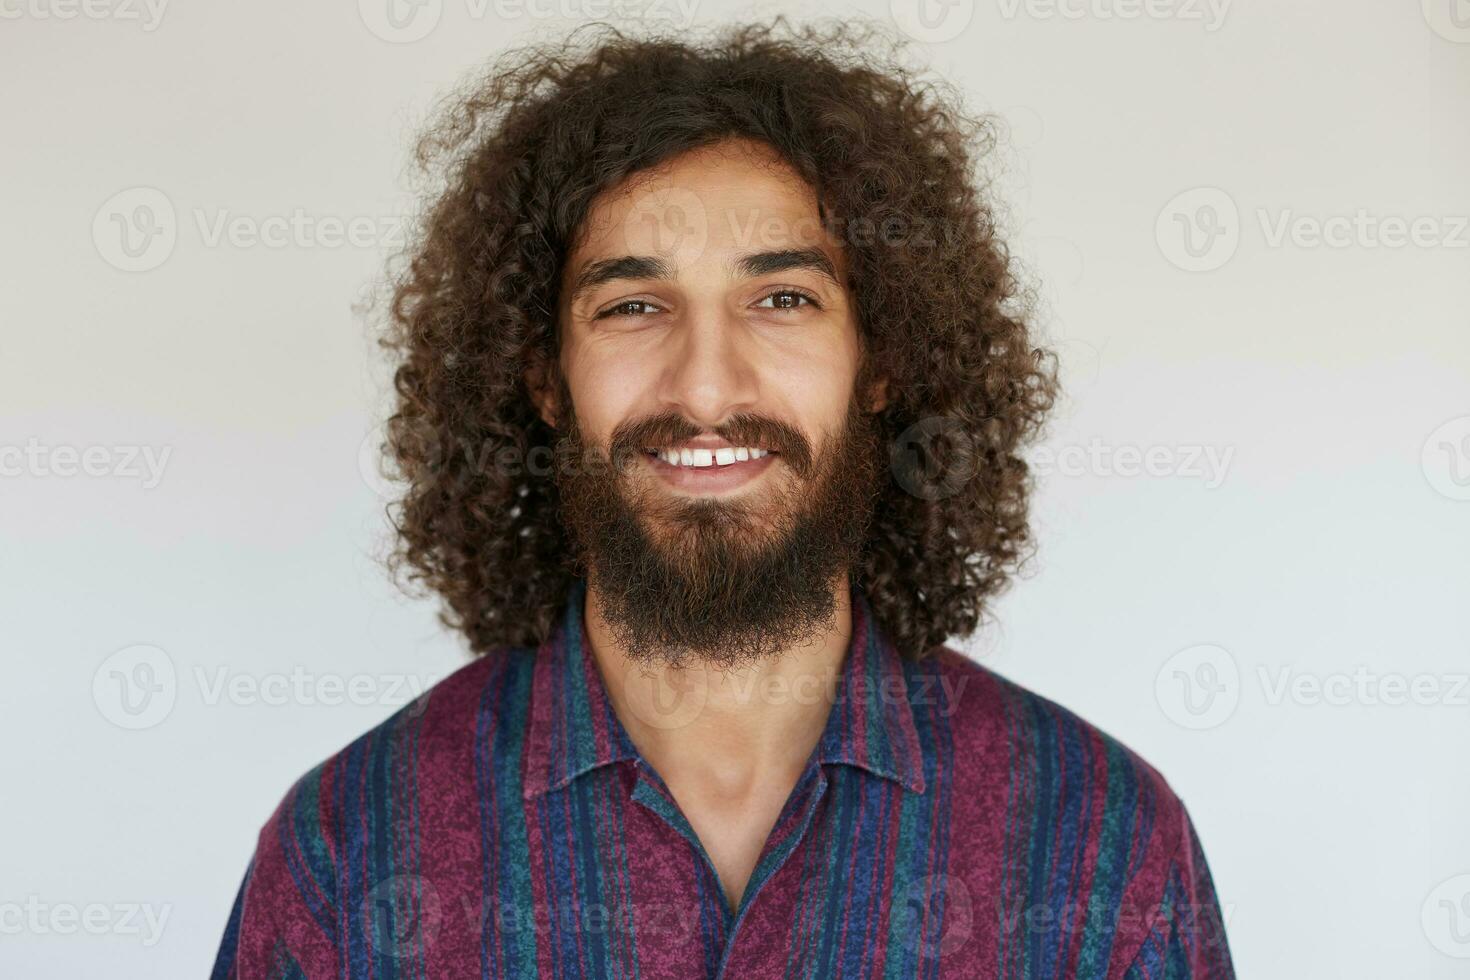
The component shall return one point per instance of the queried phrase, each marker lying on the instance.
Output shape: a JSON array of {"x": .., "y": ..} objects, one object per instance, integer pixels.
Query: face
[{"x": 710, "y": 357}]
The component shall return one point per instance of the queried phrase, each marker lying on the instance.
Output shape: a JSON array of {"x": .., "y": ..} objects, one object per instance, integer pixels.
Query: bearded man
[{"x": 712, "y": 384}]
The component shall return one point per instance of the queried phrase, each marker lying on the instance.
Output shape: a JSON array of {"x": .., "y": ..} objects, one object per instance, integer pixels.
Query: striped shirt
[{"x": 949, "y": 823}]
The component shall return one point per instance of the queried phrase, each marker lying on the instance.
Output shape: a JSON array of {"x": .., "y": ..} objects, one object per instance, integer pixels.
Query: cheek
[
  {"x": 604, "y": 395},
  {"x": 818, "y": 385}
]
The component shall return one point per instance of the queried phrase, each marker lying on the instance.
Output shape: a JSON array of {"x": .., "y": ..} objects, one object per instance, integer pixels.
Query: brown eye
[
  {"x": 790, "y": 299},
  {"x": 629, "y": 307}
]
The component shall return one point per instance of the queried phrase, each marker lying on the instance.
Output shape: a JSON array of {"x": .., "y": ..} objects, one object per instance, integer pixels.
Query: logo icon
[
  {"x": 1446, "y": 917},
  {"x": 938, "y": 915},
  {"x": 135, "y": 230},
  {"x": 932, "y": 21},
  {"x": 933, "y": 458},
  {"x": 404, "y": 913},
  {"x": 1198, "y": 687},
  {"x": 370, "y": 462},
  {"x": 1198, "y": 230},
  {"x": 1446, "y": 458},
  {"x": 671, "y": 220},
  {"x": 666, "y": 699},
  {"x": 1450, "y": 19},
  {"x": 135, "y": 687},
  {"x": 400, "y": 21},
  {"x": 416, "y": 437}
]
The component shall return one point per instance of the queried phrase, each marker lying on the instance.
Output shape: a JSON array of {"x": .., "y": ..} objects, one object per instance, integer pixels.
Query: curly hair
[{"x": 521, "y": 155}]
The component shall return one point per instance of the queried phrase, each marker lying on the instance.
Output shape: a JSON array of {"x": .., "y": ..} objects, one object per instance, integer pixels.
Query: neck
[{"x": 728, "y": 729}]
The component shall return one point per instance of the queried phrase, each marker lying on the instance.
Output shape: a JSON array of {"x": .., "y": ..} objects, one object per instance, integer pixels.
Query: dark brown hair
[{"x": 523, "y": 153}]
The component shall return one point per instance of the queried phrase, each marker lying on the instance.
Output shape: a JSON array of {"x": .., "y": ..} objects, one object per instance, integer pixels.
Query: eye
[
  {"x": 628, "y": 307},
  {"x": 790, "y": 299}
]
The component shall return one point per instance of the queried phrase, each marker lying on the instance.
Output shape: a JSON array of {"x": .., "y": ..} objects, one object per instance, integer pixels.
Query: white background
[{"x": 1331, "y": 545}]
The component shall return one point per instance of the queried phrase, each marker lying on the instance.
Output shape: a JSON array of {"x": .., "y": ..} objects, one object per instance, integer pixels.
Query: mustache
[{"x": 630, "y": 438}]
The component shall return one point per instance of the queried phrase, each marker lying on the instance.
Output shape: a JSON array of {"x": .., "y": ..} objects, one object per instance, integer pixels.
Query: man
[{"x": 746, "y": 294}]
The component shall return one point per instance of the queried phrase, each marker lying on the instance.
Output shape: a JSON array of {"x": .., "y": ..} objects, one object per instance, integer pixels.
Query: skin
[{"x": 709, "y": 340}]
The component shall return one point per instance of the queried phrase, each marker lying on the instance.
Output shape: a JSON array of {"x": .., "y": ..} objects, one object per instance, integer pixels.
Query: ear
[
  {"x": 541, "y": 392},
  {"x": 878, "y": 394}
]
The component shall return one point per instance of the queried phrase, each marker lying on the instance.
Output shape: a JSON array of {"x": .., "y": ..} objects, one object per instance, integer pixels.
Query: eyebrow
[{"x": 748, "y": 266}]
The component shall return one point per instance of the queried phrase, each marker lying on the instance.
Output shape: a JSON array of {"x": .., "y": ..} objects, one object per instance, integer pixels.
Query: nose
[{"x": 710, "y": 374}]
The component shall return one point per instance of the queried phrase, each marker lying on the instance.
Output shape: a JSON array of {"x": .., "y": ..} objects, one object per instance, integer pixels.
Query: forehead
[{"x": 734, "y": 197}]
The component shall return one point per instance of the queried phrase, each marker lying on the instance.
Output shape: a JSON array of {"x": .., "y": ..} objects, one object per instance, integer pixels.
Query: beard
[{"x": 725, "y": 581}]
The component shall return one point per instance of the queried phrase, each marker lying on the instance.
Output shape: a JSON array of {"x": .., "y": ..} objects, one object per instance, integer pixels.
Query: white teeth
[{"x": 723, "y": 456}]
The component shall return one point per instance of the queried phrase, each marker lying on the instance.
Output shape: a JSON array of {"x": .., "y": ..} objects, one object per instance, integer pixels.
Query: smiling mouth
[{"x": 703, "y": 458}]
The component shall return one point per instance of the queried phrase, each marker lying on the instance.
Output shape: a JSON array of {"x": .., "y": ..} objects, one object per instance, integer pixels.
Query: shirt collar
[{"x": 573, "y": 728}]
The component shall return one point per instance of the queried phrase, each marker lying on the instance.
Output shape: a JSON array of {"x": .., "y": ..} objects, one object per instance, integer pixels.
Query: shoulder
[
  {"x": 421, "y": 754},
  {"x": 329, "y": 843},
  {"x": 333, "y": 840},
  {"x": 1046, "y": 741},
  {"x": 1087, "y": 823},
  {"x": 1088, "y": 838},
  {"x": 1072, "y": 783}
]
